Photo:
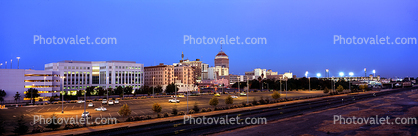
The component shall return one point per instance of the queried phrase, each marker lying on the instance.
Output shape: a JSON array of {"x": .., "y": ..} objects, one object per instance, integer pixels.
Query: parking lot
[{"x": 138, "y": 106}]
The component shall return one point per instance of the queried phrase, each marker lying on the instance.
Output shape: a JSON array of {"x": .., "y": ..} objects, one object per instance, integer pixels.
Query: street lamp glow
[
  {"x": 341, "y": 74},
  {"x": 351, "y": 73},
  {"x": 318, "y": 75},
  {"x": 306, "y": 74},
  {"x": 374, "y": 71}
]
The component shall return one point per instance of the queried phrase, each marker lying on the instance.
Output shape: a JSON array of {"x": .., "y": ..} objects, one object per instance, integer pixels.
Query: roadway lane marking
[
  {"x": 142, "y": 112},
  {"x": 135, "y": 112},
  {"x": 118, "y": 113},
  {"x": 101, "y": 116},
  {"x": 73, "y": 107},
  {"x": 40, "y": 109},
  {"x": 65, "y": 107},
  {"x": 57, "y": 108},
  {"x": 48, "y": 109},
  {"x": 110, "y": 115},
  {"x": 80, "y": 106}
]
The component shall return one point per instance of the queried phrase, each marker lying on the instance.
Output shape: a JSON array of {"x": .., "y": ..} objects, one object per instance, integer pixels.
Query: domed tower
[{"x": 221, "y": 59}]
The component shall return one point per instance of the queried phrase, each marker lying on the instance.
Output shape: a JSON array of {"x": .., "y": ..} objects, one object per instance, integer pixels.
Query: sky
[{"x": 299, "y": 34}]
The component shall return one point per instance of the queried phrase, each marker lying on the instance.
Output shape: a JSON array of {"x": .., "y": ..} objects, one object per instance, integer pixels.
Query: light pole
[
  {"x": 286, "y": 88},
  {"x": 187, "y": 91},
  {"x": 238, "y": 84},
  {"x": 107, "y": 90},
  {"x": 374, "y": 73},
  {"x": 153, "y": 94},
  {"x": 62, "y": 103},
  {"x": 123, "y": 92},
  {"x": 365, "y": 72},
  {"x": 11, "y": 63},
  {"x": 349, "y": 85},
  {"x": 248, "y": 88},
  {"x": 327, "y": 74},
  {"x": 5, "y": 66},
  {"x": 175, "y": 90},
  {"x": 18, "y": 58},
  {"x": 85, "y": 101},
  {"x": 31, "y": 94},
  {"x": 44, "y": 83},
  {"x": 309, "y": 84},
  {"x": 1, "y": 64},
  {"x": 280, "y": 85}
]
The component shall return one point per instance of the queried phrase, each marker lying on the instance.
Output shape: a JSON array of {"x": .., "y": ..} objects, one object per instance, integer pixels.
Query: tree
[
  {"x": 54, "y": 125},
  {"x": 229, "y": 100},
  {"x": 170, "y": 88},
  {"x": 89, "y": 90},
  {"x": 156, "y": 108},
  {"x": 17, "y": 97},
  {"x": 214, "y": 101},
  {"x": 101, "y": 91},
  {"x": 340, "y": 88},
  {"x": 275, "y": 95},
  {"x": 21, "y": 127},
  {"x": 119, "y": 91},
  {"x": 128, "y": 90},
  {"x": 196, "y": 107},
  {"x": 2, "y": 95},
  {"x": 109, "y": 91},
  {"x": 326, "y": 90},
  {"x": 363, "y": 87},
  {"x": 124, "y": 111},
  {"x": 32, "y": 93}
]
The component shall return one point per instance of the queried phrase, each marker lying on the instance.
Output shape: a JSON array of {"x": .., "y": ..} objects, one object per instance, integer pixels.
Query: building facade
[
  {"x": 107, "y": 74},
  {"x": 19, "y": 80},
  {"x": 161, "y": 75}
]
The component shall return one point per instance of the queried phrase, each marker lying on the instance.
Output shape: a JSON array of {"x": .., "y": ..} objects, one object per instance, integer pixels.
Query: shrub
[
  {"x": 262, "y": 101},
  {"x": 174, "y": 111},
  {"x": 156, "y": 108},
  {"x": 214, "y": 101},
  {"x": 54, "y": 125},
  {"x": 203, "y": 110},
  {"x": 148, "y": 117},
  {"x": 275, "y": 95},
  {"x": 229, "y": 100},
  {"x": 181, "y": 113},
  {"x": 37, "y": 129},
  {"x": 166, "y": 114},
  {"x": 159, "y": 115},
  {"x": 208, "y": 110},
  {"x": 254, "y": 101},
  {"x": 196, "y": 107},
  {"x": 191, "y": 112},
  {"x": 326, "y": 90},
  {"x": 340, "y": 88}
]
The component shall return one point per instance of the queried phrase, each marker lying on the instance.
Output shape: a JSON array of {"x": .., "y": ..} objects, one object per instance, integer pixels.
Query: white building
[
  {"x": 214, "y": 72},
  {"x": 108, "y": 74},
  {"x": 20, "y": 80}
]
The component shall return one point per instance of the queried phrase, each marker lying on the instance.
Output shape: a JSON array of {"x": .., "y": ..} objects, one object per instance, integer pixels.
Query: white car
[
  {"x": 116, "y": 101},
  {"x": 90, "y": 105},
  {"x": 80, "y": 101},
  {"x": 234, "y": 96},
  {"x": 110, "y": 102},
  {"x": 100, "y": 109},
  {"x": 174, "y": 101},
  {"x": 104, "y": 101},
  {"x": 243, "y": 94},
  {"x": 86, "y": 114}
]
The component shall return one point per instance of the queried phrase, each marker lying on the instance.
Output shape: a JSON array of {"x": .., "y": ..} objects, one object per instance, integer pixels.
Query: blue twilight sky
[{"x": 299, "y": 33}]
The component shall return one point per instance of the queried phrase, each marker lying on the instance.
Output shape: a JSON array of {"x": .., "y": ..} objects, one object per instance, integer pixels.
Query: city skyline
[{"x": 299, "y": 36}]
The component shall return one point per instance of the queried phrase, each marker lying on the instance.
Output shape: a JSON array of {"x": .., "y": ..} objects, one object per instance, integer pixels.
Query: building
[
  {"x": 107, "y": 74},
  {"x": 258, "y": 72},
  {"x": 160, "y": 75},
  {"x": 215, "y": 72},
  {"x": 19, "y": 80},
  {"x": 184, "y": 78},
  {"x": 221, "y": 59},
  {"x": 205, "y": 70}
]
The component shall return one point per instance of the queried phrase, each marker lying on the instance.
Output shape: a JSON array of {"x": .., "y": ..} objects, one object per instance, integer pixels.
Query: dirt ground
[{"x": 403, "y": 104}]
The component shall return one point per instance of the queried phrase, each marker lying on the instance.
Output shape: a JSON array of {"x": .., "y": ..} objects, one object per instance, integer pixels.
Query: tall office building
[{"x": 107, "y": 74}]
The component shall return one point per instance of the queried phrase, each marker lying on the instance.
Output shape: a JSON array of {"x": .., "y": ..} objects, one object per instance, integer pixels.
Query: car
[
  {"x": 90, "y": 105},
  {"x": 243, "y": 94},
  {"x": 86, "y": 114},
  {"x": 116, "y": 101},
  {"x": 110, "y": 102},
  {"x": 100, "y": 109},
  {"x": 174, "y": 101},
  {"x": 218, "y": 95},
  {"x": 104, "y": 101},
  {"x": 234, "y": 96},
  {"x": 181, "y": 96},
  {"x": 80, "y": 101}
]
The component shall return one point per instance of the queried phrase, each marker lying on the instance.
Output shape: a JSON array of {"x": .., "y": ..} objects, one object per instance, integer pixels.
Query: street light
[
  {"x": 309, "y": 84},
  {"x": 5, "y": 66},
  {"x": 1, "y": 64},
  {"x": 248, "y": 88},
  {"x": 365, "y": 72},
  {"x": 349, "y": 85},
  {"x": 341, "y": 74},
  {"x": 374, "y": 73},
  {"x": 318, "y": 75},
  {"x": 153, "y": 95},
  {"x": 306, "y": 74},
  {"x": 18, "y": 58},
  {"x": 11, "y": 63},
  {"x": 31, "y": 94},
  {"x": 107, "y": 90},
  {"x": 327, "y": 74}
]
